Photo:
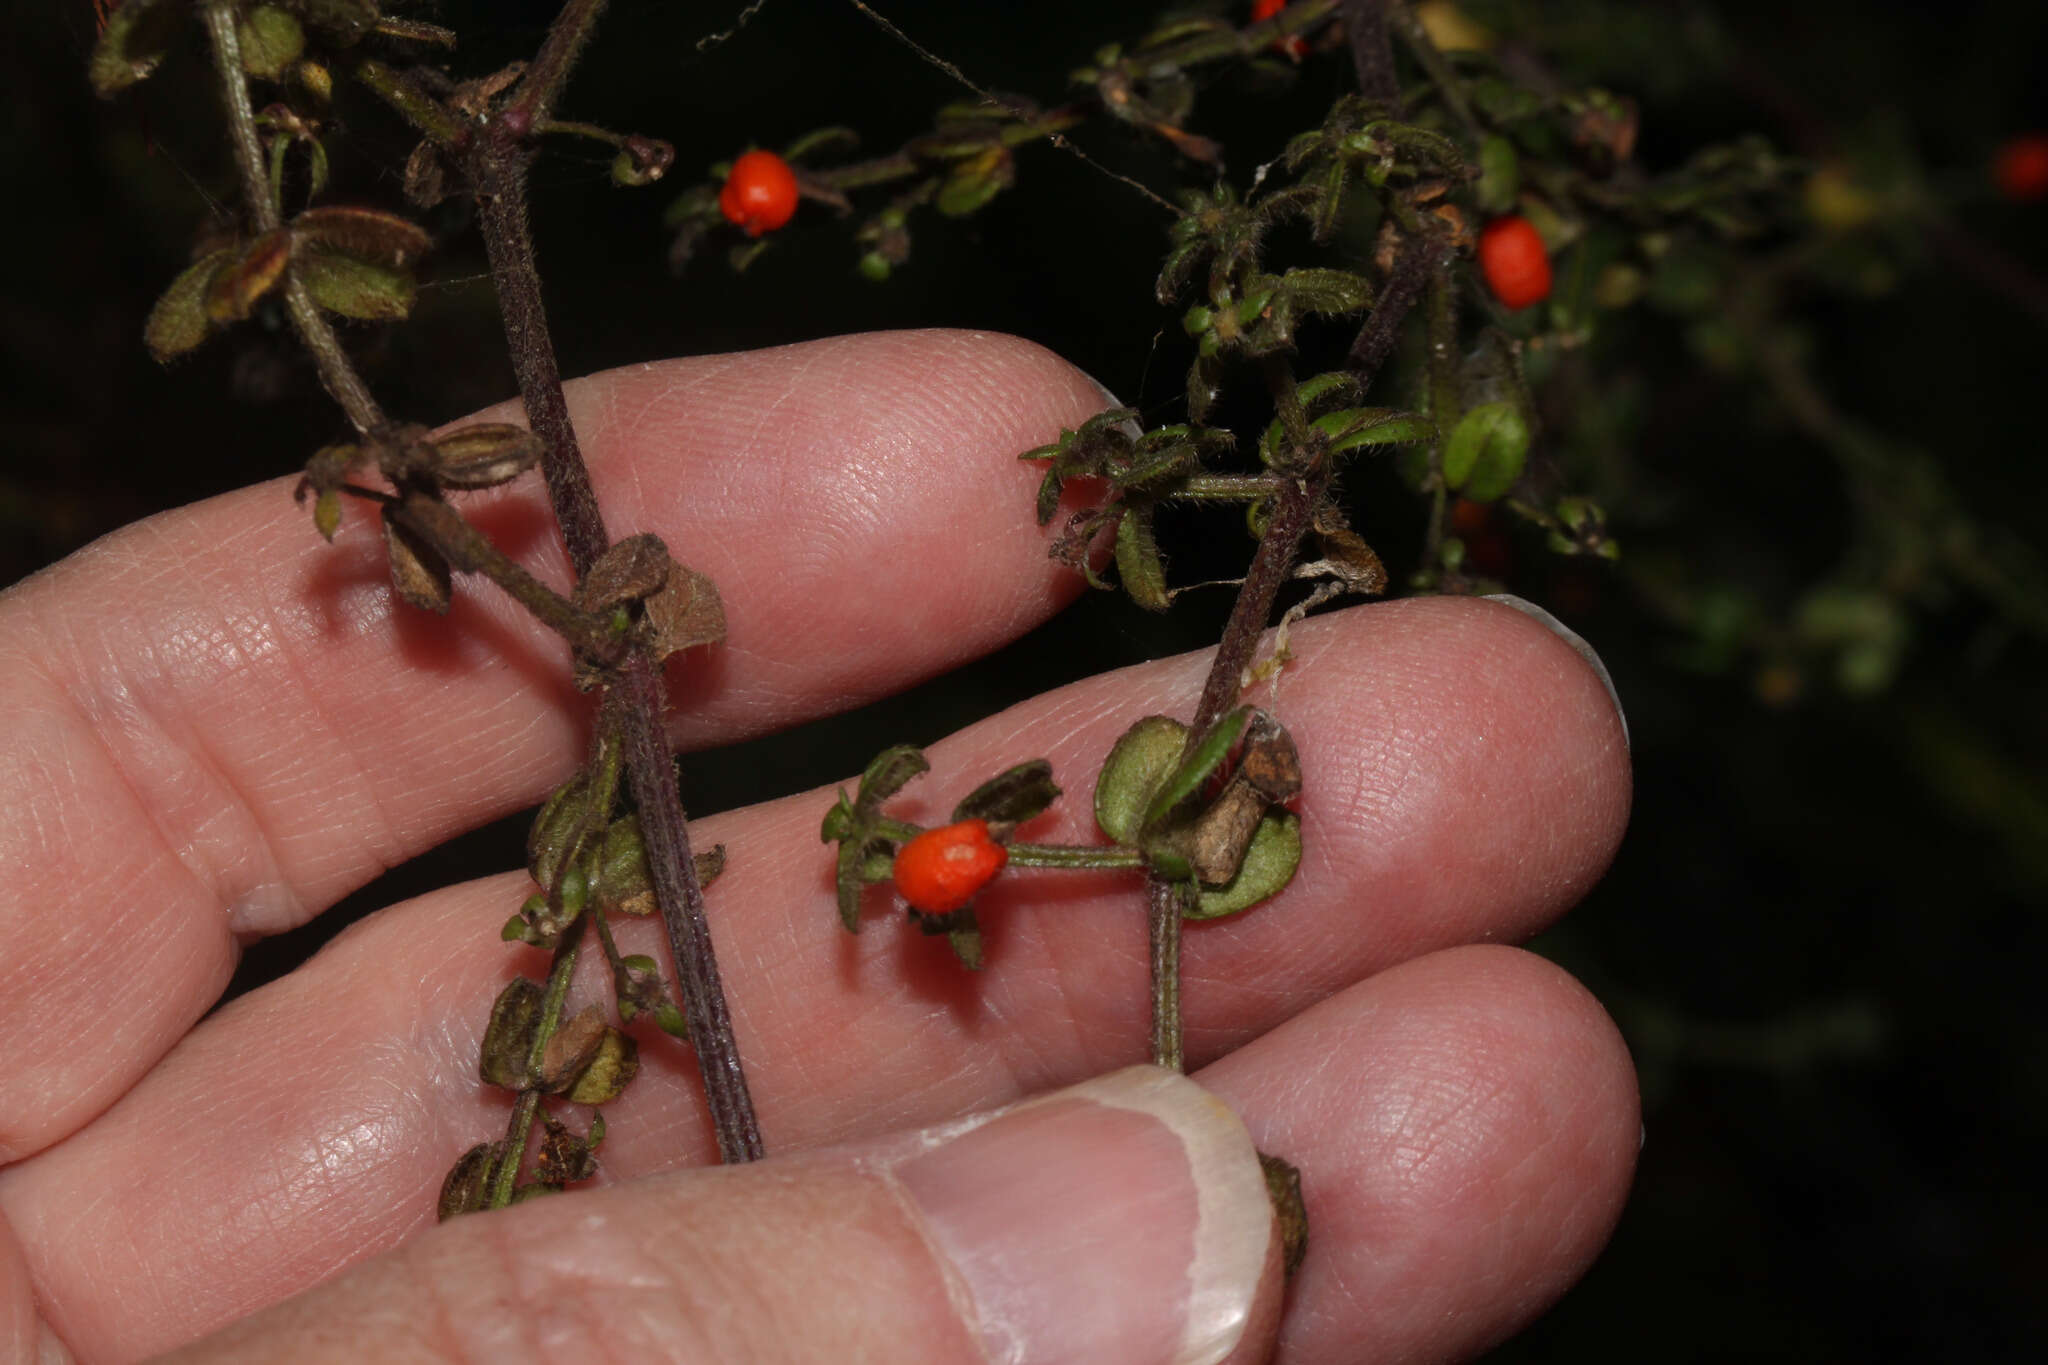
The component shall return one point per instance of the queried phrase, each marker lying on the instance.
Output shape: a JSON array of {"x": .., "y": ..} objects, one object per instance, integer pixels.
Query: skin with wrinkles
[{"x": 212, "y": 725}]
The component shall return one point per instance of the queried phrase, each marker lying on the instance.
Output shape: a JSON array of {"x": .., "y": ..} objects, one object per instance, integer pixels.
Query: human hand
[{"x": 215, "y": 726}]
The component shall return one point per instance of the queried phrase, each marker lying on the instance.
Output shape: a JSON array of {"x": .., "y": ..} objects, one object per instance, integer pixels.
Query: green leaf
[
  {"x": 849, "y": 880},
  {"x": 1137, "y": 560},
  {"x": 1269, "y": 864},
  {"x": 178, "y": 322},
  {"x": 616, "y": 1063},
  {"x": 344, "y": 21},
  {"x": 1194, "y": 770},
  {"x": 974, "y": 182},
  {"x": 1500, "y": 175},
  {"x": 839, "y": 821},
  {"x": 1360, "y": 428},
  {"x": 1011, "y": 797},
  {"x": 1484, "y": 455},
  {"x": 134, "y": 41},
  {"x": 271, "y": 40},
  {"x": 355, "y": 288},
  {"x": 1138, "y": 763},
  {"x": 887, "y": 773},
  {"x": 366, "y": 233}
]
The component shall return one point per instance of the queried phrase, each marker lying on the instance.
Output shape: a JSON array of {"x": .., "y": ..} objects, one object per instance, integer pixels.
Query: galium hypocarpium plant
[
  {"x": 612, "y": 840},
  {"x": 1381, "y": 199}
]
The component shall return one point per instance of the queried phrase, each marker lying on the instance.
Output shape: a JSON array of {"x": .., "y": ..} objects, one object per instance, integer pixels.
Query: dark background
[{"x": 1823, "y": 935}]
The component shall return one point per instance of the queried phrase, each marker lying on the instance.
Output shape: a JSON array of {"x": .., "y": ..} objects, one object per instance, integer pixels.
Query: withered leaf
[
  {"x": 570, "y": 1049},
  {"x": 468, "y": 1183},
  {"x": 508, "y": 1039},
  {"x": 686, "y": 612},
  {"x": 426, "y": 178},
  {"x": 484, "y": 455},
  {"x": 630, "y": 571},
  {"x": 253, "y": 272},
  {"x": 419, "y": 575}
]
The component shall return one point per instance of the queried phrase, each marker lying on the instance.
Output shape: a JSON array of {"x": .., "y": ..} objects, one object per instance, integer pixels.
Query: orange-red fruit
[
  {"x": 760, "y": 194},
  {"x": 1293, "y": 44},
  {"x": 2022, "y": 167},
  {"x": 941, "y": 869},
  {"x": 1512, "y": 258}
]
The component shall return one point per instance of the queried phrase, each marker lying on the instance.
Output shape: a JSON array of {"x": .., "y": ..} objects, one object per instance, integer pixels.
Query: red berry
[
  {"x": 2022, "y": 167},
  {"x": 1293, "y": 44},
  {"x": 941, "y": 869},
  {"x": 1512, "y": 258},
  {"x": 760, "y": 194}
]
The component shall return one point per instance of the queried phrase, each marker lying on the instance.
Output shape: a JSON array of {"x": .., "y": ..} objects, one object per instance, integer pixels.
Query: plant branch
[
  {"x": 469, "y": 550},
  {"x": 519, "y": 1130},
  {"x": 634, "y": 704},
  {"x": 1372, "y": 50},
  {"x": 337, "y": 374},
  {"x": 1432, "y": 62},
  {"x": 534, "y": 102},
  {"x": 1293, "y": 506}
]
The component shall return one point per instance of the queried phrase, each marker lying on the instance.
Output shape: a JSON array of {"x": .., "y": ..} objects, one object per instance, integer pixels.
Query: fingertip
[{"x": 1466, "y": 1126}]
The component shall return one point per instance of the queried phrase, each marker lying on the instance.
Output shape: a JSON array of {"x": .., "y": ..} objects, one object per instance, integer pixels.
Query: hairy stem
[
  {"x": 337, "y": 375},
  {"x": 1372, "y": 51},
  {"x": 534, "y": 101},
  {"x": 1293, "y": 504},
  {"x": 519, "y": 1131},
  {"x": 497, "y": 162},
  {"x": 470, "y": 551},
  {"x": 1162, "y": 946},
  {"x": 1433, "y": 65}
]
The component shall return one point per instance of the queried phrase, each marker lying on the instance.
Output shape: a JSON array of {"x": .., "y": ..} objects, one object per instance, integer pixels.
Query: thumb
[{"x": 1123, "y": 1219}]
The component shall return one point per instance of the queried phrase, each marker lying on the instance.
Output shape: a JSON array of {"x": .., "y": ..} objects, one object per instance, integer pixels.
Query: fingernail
[
  {"x": 1122, "y": 1219},
  {"x": 1575, "y": 640}
]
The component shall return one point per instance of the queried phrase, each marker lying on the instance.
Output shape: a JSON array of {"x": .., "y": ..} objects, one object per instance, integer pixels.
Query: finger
[
  {"x": 212, "y": 724},
  {"x": 1467, "y": 781},
  {"x": 1466, "y": 1126},
  {"x": 1123, "y": 1220}
]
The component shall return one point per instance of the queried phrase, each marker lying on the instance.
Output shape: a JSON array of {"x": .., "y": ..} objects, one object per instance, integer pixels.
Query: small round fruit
[
  {"x": 760, "y": 195},
  {"x": 1512, "y": 258},
  {"x": 2022, "y": 168},
  {"x": 1293, "y": 45},
  {"x": 941, "y": 869}
]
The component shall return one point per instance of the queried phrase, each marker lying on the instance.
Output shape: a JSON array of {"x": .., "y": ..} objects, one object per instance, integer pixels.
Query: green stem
[
  {"x": 1432, "y": 62},
  {"x": 1443, "y": 395},
  {"x": 337, "y": 374},
  {"x": 1110, "y": 857},
  {"x": 519, "y": 1132},
  {"x": 424, "y": 113}
]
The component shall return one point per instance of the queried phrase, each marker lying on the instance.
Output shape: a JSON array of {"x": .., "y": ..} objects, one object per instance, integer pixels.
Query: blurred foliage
[{"x": 1812, "y": 424}]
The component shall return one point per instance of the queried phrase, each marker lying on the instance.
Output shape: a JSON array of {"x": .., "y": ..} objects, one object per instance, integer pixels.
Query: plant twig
[
  {"x": 1372, "y": 50},
  {"x": 534, "y": 102},
  {"x": 519, "y": 1129},
  {"x": 1293, "y": 506},
  {"x": 337, "y": 374},
  {"x": 497, "y": 162}
]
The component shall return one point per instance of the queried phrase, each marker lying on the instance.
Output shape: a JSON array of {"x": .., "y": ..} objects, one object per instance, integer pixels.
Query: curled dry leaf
[{"x": 419, "y": 575}]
